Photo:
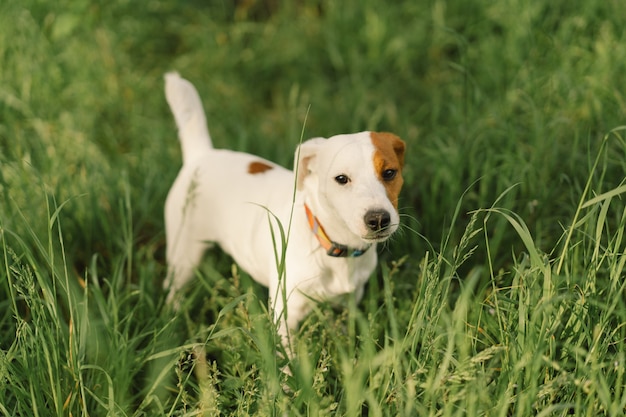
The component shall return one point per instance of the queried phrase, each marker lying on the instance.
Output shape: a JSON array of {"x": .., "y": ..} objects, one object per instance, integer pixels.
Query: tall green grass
[{"x": 502, "y": 295}]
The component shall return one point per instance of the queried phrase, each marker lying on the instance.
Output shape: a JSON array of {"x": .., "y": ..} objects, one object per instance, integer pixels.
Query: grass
[{"x": 503, "y": 295}]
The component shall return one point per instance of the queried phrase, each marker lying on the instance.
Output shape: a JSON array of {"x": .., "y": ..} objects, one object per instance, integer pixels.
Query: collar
[{"x": 333, "y": 249}]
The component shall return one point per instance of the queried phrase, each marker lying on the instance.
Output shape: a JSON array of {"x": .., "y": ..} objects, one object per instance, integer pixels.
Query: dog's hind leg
[
  {"x": 182, "y": 260},
  {"x": 185, "y": 242}
]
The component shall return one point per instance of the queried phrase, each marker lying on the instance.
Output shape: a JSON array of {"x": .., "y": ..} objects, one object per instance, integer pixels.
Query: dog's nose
[{"x": 377, "y": 220}]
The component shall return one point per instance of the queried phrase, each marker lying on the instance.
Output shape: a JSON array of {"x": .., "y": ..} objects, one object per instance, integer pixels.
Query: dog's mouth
[{"x": 377, "y": 237}]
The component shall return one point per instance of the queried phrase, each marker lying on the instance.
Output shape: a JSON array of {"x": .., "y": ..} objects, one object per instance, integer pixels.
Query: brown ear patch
[
  {"x": 258, "y": 167},
  {"x": 389, "y": 154}
]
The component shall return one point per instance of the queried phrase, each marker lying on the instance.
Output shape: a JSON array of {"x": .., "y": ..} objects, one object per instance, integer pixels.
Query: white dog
[{"x": 341, "y": 201}]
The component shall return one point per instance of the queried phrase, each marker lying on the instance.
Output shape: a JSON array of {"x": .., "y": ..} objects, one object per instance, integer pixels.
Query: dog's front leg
[{"x": 288, "y": 316}]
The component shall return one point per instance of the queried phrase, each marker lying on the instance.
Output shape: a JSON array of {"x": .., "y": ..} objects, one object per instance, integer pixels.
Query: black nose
[{"x": 377, "y": 220}]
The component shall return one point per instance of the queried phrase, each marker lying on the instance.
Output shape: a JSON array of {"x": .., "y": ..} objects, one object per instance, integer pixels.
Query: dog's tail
[{"x": 185, "y": 103}]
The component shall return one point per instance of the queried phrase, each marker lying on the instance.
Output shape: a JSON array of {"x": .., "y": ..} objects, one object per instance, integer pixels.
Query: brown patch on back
[
  {"x": 389, "y": 154},
  {"x": 258, "y": 167}
]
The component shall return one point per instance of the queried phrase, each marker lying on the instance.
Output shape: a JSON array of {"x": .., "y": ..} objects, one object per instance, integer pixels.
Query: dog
[{"x": 339, "y": 203}]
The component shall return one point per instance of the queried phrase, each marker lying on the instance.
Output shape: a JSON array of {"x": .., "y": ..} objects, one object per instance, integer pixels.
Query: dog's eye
[
  {"x": 342, "y": 179},
  {"x": 389, "y": 174}
]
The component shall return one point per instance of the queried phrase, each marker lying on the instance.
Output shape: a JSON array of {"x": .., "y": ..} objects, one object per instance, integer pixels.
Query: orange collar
[{"x": 333, "y": 249}]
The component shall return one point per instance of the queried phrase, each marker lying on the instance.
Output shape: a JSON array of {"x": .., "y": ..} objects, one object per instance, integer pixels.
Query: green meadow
[{"x": 503, "y": 294}]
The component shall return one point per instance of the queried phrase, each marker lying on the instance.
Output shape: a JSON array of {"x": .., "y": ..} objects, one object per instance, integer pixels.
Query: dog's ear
[
  {"x": 399, "y": 147},
  {"x": 396, "y": 143},
  {"x": 304, "y": 160}
]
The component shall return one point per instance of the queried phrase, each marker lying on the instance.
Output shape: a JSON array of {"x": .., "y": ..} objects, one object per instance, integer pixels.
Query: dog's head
[{"x": 352, "y": 183}]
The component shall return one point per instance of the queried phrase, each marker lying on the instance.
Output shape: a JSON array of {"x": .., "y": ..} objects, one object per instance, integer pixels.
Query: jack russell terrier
[{"x": 341, "y": 201}]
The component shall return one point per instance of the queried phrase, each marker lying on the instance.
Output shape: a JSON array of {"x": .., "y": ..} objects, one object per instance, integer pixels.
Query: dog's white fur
[{"x": 233, "y": 199}]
